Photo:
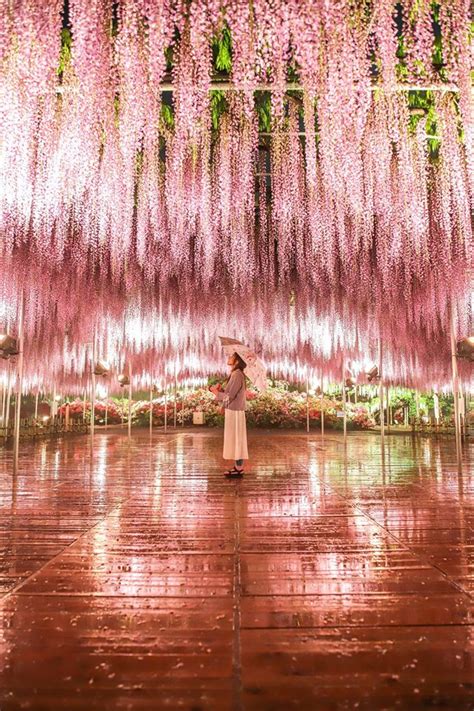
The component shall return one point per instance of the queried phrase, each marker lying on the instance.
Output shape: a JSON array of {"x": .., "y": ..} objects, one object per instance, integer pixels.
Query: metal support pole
[
  {"x": 84, "y": 406},
  {"x": 151, "y": 411},
  {"x": 381, "y": 397},
  {"x": 389, "y": 410},
  {"x": 182, "y": 405},
  {"x": 130, "y": 401},
  {"x": 462, "y": 409},
  {"x": 5, "y": 399},
  {"x": 9, "y": 397},
  {"x": 436, "y": 406},
  {"x": 166, "y": 405},
  {"x": 4, "y": 402},
  {"x": 93, "y": 389},
  {"x": 455, "y": 382},
  {"x": 175, "y": 396},
  {"x": 322, "y": 409},
  {"x": 2, "y": 406},
  {"x": 307, "y": 405},
  {"x": 19, "y": 388},
  {"x": 344, "y": 409}
]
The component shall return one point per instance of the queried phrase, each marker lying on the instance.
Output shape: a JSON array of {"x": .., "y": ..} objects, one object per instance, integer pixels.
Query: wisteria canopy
[{"x": 295, "y": 173}]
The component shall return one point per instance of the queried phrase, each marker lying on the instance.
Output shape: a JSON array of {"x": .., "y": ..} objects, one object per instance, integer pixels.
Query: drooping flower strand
[
  {"x": 134, "y": 107},
  {"x": 288, "y": 186},
  {"x": 234, "y": 192},
  {"x": 241, "y": 23},
  {"x": 386, "y": 43},
  {"x": 31, "y": 43},
  {"x": 453, "y": 188},
  {"x": 104, "y": 176},
  {"x": 418, "y": 39},
  {"x": 88, "y": 107},
  {"x": 456, "y": 24},
  {"x": 292, "y": 327}
]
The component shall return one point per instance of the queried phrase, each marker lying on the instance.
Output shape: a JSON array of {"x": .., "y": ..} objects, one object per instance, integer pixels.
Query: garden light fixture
[
  {"x": 101, "y": 368},
  {"x": 465, "y": 348},
  {"x": 8, "y": 346}
]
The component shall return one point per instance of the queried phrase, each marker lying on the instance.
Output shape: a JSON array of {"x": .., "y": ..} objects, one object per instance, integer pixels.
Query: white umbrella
[{"x": 255, "y": 368}]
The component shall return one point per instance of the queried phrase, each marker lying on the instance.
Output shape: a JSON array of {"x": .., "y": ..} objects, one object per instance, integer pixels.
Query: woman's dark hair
[{"x": 240, "y": 364}]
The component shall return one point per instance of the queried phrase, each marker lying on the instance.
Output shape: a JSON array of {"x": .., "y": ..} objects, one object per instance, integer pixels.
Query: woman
[{"x": 235, "y": 430}]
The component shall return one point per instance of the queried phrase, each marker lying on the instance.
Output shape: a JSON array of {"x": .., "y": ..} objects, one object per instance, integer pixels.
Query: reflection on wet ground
[{"x": 329, "y": 578}]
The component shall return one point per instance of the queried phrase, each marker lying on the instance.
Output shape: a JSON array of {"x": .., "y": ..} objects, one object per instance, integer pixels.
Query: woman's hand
[{"x": 215, "y": 389}]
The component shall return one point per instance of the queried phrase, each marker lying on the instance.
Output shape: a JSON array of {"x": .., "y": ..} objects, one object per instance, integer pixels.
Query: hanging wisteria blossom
[{"x": 184, "y": 156}]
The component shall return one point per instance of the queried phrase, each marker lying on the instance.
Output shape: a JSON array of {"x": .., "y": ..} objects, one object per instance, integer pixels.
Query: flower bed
[
  {"x": 277, "y": 407},
  {"x": 76, "y": 411}
]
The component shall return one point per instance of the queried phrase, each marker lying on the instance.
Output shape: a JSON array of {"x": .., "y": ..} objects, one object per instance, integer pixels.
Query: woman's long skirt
[{"x": 235, "y": 435}]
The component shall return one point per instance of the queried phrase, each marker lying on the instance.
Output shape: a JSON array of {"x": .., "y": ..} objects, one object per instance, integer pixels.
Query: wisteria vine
[{"x": 125, "y": 165}]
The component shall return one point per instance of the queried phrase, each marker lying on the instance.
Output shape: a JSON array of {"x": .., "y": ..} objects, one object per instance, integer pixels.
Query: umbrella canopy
[{"x": 255, "y": 369}]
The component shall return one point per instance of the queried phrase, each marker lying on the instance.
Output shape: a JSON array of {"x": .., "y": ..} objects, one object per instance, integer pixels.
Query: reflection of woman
[{"x": 235, "y": 430}]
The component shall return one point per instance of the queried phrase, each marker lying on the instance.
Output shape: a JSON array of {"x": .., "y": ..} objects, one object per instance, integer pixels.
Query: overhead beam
[{"x": 216, "y": 85}]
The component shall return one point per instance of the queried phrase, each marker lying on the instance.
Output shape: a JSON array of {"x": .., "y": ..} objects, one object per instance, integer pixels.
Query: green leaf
[
  {"x": 222, "y": 47},
  {"x": 264, "y": 111},
  {"x": 65, "y": 53},
  {"x": 169, "y": 54},
  {"x": 167, "y": 115},
  {"x": 218, "y": 107}
]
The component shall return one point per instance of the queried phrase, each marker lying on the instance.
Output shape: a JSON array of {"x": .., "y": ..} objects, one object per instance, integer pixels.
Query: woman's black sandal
[{"x": 234, "y": 472}]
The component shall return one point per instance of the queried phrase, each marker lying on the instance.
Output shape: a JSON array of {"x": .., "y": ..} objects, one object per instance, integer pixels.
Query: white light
[{"x": 101, "y": 392}]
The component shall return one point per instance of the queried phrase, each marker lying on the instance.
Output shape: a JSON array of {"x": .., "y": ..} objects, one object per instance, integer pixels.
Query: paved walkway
[{"x": 326, "y": 579}]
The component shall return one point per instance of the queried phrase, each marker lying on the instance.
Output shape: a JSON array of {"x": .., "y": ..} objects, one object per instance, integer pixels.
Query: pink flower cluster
[{"x": 111, "y": 211}]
